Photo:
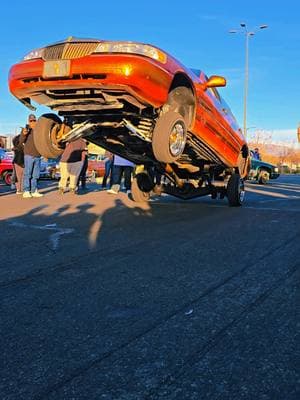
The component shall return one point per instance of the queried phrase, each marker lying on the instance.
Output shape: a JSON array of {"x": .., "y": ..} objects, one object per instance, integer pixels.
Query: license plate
[{"x": 56, "y": 69}]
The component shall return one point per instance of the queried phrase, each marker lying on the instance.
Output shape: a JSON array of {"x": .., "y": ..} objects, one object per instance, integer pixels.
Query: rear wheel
[
  {"x": 169, "y": 137},
  {"x": 7, "y": 177},
  {"x": 141, "y": 187},
  {"x": 45, "y": 136},
  {"x": 263, "y": 177},
  {"x": 235, "y": 190}
]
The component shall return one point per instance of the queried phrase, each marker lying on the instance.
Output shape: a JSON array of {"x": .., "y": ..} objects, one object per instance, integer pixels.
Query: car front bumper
[{"x": 145, "y": 79}]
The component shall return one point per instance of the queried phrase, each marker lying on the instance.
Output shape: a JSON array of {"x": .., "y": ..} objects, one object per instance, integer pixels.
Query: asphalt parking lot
[{"x": 104, "y": 299}]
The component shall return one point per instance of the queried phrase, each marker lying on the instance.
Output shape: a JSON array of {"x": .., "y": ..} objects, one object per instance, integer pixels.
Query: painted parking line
[{"x": 54, "y": 238}]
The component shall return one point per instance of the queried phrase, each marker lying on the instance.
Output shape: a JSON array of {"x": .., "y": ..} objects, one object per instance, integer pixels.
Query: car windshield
[{"x": 197, "y": 72}]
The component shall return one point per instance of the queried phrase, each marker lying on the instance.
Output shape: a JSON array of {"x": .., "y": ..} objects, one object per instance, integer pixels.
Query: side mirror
[{"x": 215, "y": 81}]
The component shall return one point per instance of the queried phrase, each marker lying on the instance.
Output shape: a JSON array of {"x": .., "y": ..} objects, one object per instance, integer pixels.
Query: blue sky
[{"x": 195, "y": 32}]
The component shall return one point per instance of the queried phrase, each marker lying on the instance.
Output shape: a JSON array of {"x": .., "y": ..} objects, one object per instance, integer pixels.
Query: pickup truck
[{"x": 262, "y": 171}]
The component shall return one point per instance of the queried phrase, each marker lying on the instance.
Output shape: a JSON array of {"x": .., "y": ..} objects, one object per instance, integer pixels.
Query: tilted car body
[
  {"x": 137, "y": 101},
  {"x": 262, "y": 171}
]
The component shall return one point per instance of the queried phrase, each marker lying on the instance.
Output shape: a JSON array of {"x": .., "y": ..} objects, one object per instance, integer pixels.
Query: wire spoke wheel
[
  {"x": 177, "y": 139},
  {"x": 169, "y": 137}
]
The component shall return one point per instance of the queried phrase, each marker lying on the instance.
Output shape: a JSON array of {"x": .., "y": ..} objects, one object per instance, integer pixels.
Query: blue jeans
[
  {"x": 31, "y": 173},
  {"x": 108, "y": 173},
  {"x": 118, "y": 172}
]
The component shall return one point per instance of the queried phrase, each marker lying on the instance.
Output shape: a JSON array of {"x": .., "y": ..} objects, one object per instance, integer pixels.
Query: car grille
[{"x": 67, "y": 51}]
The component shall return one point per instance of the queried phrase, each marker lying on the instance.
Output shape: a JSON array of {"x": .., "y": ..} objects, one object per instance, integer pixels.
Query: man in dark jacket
[{"x": 32, "y": 160}]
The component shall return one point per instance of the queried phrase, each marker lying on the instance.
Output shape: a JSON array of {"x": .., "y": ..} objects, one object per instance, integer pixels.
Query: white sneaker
[
  {"x": 27, "y": 195},
  {"x": 17, "y": 192},
  {"x": 112, "y": 191},
  {"x": 37, "y": 194}
]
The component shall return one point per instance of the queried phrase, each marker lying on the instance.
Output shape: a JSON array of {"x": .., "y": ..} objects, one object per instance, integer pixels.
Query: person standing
[
  {"x": 109, "y": 162},
  {"x": 82, "y": 175},
  {"x": 18, "y": 163},
  {"x": 256, "y": 154},
  {"x": 32, "y": 160},
  {"x": 70, "y": 165},
  {"x": 121, "y": 167}
]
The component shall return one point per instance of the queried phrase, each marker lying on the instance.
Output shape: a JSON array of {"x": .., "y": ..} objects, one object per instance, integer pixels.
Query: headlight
[
  {"x": 132, "y": 48},
  {"x": 276, "y": 169},
  {"x": 37, "y": 53}
]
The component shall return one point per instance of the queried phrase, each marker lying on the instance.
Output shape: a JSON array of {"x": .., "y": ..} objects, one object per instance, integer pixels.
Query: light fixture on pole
[{"x": 248, "y": 33}]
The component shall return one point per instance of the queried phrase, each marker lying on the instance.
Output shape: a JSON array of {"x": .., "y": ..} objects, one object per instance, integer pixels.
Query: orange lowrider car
[{"x": 141, "y": 103}]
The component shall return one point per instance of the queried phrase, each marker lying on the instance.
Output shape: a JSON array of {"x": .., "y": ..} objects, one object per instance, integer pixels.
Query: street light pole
[
  {"x": 246, "y": 84},
  {"x": 247, "y": 34}
]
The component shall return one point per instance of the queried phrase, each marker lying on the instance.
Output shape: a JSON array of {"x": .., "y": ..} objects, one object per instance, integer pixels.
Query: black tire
[
  {"x": 263, "y": 177},
  {"x": 7, "y": 177},
  {"x": 44, "y": 136},
  {"x": 244, "y": 162},
  {"x": 163, "y": 149},
  {"x": 141, "y": 187},
  {"x": 235, "y": 191}
]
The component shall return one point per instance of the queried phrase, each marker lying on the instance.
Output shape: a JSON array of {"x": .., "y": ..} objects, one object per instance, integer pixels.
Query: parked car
[
  {"x": 139, "y": 102},
  {"x": 6, "y": 168},
  {"x": 2, "y": 153},
  {"x": 48, "y": 168},
  {"x": 96, "y": 165},
  {"x": 262, "y": 171},
  {"x": 95, "y": 169}
]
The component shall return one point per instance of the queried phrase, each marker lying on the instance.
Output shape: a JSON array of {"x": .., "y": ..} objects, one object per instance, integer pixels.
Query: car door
[{"x": 222, "y": 131}]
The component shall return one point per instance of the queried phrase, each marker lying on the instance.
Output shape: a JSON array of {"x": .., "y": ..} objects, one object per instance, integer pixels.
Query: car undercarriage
[{"x": 140, "y": 103}]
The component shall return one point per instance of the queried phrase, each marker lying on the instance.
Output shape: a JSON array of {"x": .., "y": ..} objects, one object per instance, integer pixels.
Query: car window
[{"x": 215, "y": 93}]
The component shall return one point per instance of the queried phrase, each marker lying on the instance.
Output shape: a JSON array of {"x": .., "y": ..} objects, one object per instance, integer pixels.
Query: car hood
[{"x": 260, "y": 163}]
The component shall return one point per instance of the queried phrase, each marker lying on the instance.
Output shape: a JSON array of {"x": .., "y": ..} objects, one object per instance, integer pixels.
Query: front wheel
[
  {"x": 263, "y": 177},
  {"x": 45, "y": 136},
  {"x": 235, "y": 190},
  {"x": 169, "y": 137}
]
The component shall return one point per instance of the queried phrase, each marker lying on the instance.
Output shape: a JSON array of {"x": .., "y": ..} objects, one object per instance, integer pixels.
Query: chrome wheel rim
[
  {"x": 241, "y": 191},
  {"x": 177, "y": 139}
]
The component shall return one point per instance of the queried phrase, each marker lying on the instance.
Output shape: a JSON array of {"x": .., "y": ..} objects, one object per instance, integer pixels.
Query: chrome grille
[
  {"x": 67, "y": 51},
  {"x": 54, "y": 52}
]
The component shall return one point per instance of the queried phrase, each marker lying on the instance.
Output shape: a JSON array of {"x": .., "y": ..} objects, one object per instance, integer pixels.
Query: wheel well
[
  {"x": 181, "y": 80},
  {"x": 245, "y": 151},
  {"x": 5, "y": 172},
  {"x": 264, "y": 169},
  {"x": 186, "y": 102}
]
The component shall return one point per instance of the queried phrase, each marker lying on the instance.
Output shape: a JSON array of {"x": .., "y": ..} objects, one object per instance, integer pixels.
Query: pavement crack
[
  {"x": 219, "y": 336},
  {"x": 212, "y": 343}
]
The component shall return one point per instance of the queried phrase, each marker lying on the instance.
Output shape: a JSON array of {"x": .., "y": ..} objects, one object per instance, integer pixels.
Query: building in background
[{"x": 3, "y": 141}]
